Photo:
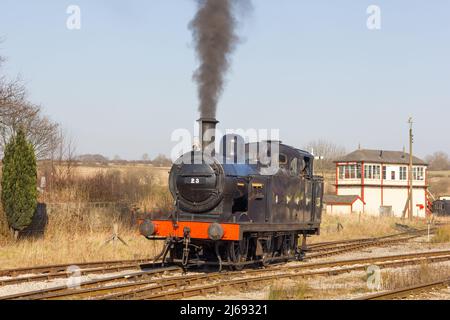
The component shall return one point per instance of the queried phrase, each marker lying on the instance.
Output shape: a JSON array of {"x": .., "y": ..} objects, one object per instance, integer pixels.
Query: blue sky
[{"x": 123, "y": 83}]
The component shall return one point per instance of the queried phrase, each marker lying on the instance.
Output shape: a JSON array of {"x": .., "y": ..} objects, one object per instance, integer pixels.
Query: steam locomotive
[{"x": 236, "y": 208}]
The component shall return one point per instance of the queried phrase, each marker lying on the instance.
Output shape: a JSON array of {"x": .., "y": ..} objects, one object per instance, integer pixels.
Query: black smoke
[{"x": 214, "y": 33}]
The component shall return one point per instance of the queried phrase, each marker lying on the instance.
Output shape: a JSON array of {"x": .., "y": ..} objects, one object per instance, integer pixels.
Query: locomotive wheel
[
  {"x": 237, "y": 253},
  {"x": 268, "y": 254},
  {"x": 289, "y": 246}
]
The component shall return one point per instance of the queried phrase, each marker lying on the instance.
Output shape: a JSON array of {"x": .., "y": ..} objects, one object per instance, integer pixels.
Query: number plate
[{"x": 195, "y": 180}]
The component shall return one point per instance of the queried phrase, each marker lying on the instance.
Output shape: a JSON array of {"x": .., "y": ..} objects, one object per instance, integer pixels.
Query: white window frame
[
  {"x": 403, "y": 173},
  {"x": 419, "y": 173},
  {"x": 349, "y": 171},
  {"x": 372, "y": 171}
]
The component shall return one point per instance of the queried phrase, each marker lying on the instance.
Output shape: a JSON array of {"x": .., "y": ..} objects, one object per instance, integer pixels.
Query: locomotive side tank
[{"x": 235, "y": 207}]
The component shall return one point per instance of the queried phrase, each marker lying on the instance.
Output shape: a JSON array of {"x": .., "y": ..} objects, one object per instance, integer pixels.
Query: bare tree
[
  {"x": 11, "y": 93},
  {"x": 327, "y": 152},
  {"x": 438, "y": 161},
  {"x": 65, "y": 154},
  {"x": 17, "y": 112},
  {"x": 40, "y": 130},
  {"x": 92, "y": 158},
  {"x": 145, "y": 157},
  {"x": 59, "y": 169},
  {"x": 161, "y": 161}
]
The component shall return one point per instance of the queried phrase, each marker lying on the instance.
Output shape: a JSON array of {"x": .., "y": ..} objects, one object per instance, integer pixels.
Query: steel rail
[
  {"x": 82, "y": 272},
  {"x": 408, "y": 291},
  {"x": 63, "y": 267},
  {"x": 333, "y": 244},
  {"x": 91, "y": 289},
  {"x": 216, "y": 287},
  {"x": 161, "y": 289},
  {"x": 64, "y": 289},
  {"x": 356, "y": 246}
]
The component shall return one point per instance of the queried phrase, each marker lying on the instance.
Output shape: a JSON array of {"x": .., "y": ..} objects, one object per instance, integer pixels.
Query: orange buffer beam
[{"x": 199, "y": 230}]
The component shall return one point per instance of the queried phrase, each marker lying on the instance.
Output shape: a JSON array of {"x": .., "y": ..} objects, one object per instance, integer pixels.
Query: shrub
[
  {"x": 19, "y": 182},
  {"x": 298, "y": 291},
  {"x": 442, "y": 235}
]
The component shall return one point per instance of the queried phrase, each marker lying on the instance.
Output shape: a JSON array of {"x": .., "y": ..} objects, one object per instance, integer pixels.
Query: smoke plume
[{"x": 214, "y": 33}]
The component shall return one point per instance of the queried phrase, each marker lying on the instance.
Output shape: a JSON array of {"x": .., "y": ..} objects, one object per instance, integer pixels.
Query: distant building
[
  {"x": 343, "y": 204},
  {"x": 380, "y": 180}
]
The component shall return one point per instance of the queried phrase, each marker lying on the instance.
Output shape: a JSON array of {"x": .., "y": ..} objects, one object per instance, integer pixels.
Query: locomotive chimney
[{"x": 208, "y": 135}]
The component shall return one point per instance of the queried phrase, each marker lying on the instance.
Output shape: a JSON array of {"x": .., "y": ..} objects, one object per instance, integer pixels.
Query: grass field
[
  {"x": 160, "y": 173},
  {"x": 76, "y": 248},
  {"x": 356, "y": 226},
  {"x": 439, "y": 182}
]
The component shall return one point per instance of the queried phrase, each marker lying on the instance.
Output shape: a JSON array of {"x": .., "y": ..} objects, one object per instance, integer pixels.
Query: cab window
[
  {"x": 294, "y": 167},
  {"x": 305, "y": 166}
]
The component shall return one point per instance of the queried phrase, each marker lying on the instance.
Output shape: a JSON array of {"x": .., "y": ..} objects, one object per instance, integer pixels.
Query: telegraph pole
[{"x": 410, "y": 176}]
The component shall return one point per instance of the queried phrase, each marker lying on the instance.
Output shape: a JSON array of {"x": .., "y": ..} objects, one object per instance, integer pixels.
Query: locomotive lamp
[
  {"x": 215, "y": 232},
  {"x": 147, "y": 228}
]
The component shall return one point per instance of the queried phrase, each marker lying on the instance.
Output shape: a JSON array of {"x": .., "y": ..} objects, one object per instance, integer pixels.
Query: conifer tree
[{"x": 19, "y": 182}]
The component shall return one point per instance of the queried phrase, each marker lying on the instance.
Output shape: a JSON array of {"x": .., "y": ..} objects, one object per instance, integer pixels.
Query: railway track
[
  {"x": 79, "y": 272},
  {"x": 404, "y": 293},
  {"x": 214, "y": 283},
  {"x": 51, "y": 272},
  {"x": 172, "y": 287},
  {"x": 45, "y": 273},
  {"x": 325, "y": 249},
  {"x": 65, "y": 290},
  {"x": 48, "y": 269},
  {"x": 316, "y": 250}
]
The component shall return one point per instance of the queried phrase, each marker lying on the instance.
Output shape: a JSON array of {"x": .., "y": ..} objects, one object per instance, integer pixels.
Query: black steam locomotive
[{"x": 236, "y": 207}]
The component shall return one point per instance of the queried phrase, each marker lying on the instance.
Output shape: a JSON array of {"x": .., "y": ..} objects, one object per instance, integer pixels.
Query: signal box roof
[{"x": 380, "y": 156}]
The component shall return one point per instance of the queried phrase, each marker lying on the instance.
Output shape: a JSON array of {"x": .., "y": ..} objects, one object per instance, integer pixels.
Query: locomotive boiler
[{"x": 248, "y": 203}]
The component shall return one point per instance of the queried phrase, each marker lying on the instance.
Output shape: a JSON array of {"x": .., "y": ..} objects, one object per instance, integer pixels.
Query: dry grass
[
  {"x": 72, "y": 238},
  {"x": 159, "y": 173},
  {"x": 439, "y": 174},
  {"x": 442, "y": 235},
  {"x": 336, "y": 227},
  {"x": 75, "y": 248},
  {"x": 403, "y": 278},
  {"x": 77, "y": 230},
  {"x": 132, "y": 184},
  {"x": 293, "y": 291}
]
